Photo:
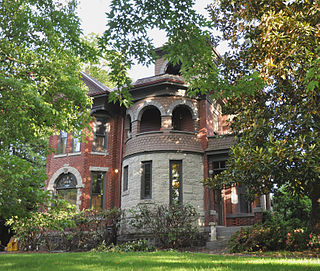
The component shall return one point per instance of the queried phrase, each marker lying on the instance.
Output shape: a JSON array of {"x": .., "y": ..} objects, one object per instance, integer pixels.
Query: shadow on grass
[{"x": 149, "y": 261}]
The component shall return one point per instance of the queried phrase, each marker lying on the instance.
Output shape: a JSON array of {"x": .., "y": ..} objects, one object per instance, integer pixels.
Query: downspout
[{"x": 120, "y": 162}]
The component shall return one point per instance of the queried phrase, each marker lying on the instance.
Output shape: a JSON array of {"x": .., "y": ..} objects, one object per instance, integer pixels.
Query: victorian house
[{"x": 157, "y": 151}]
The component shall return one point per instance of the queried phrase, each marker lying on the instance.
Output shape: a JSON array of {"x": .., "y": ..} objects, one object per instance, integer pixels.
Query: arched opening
[
  {"x": 150, "y": 120},
  {"x": 182, "y": 119},
  {"x": 66, "y": 187},
  {"x": 173, "y": 69}
]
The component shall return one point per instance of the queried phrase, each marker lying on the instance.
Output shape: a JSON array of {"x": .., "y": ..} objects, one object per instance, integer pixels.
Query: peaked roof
[{"x": 95, "y": 87}]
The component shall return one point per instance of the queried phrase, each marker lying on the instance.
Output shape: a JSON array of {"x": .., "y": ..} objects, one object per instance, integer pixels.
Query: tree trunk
[{"x": 315, "y": 213}]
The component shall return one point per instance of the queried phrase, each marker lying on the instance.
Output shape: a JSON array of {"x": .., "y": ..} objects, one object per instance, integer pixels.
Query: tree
[
  {"x": 189, "y": 43},
  {"x": 278, "y": 126},
  {"x": 97, "y": 67},
  {"x": 270, "y": 80},
  {"x": 40, "y": 92}
]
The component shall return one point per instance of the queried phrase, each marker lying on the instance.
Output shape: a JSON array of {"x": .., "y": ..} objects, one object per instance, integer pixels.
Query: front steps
[{"x": 223, "y": 234}]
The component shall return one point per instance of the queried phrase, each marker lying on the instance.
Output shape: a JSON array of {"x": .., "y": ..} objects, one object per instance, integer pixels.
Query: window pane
[
  {"x": 146, "y": 180},
  {"x": 97, "y": 190},
  {"x": 70, "y": 195},
  {"x": 75, "y": 143},
  {"x": 175, "y": 182},
  {"x": 100, "y": 143},
  {"x": 66, "y": 181},
  {"x": 125, "y": 178},
  {"x": 62, "y": 143}
]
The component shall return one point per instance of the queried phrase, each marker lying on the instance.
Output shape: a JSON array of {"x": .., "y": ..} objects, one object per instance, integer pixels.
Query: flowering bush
[
  {"x": 300, "y": 239},
  {"x": 271, "y": 236},
  {"x": 267, "y": 237}
]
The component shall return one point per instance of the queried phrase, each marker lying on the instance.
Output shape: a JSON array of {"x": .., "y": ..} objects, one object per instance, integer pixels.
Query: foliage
[
  {"x": 137, "y": 245},
  {"x": 172, "y": 226},
  {"x": 294, "y": 210},
  {"x": 273, "y": 235},
  {"x": 277, "y": 127},
  {"x": 190, "y": 43},
  {"x": 267, "y": 237},
  {"x": 40, "y": 91},
  {"x": 299, "y": 239},
  {"x": 63, "y": 227},
  {"x": 22, "y": 176},
  {"x": 97, "y": 67}
]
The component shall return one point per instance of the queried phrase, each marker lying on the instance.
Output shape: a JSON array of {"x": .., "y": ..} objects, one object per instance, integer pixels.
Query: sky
[{"x": 93, "y": 20}]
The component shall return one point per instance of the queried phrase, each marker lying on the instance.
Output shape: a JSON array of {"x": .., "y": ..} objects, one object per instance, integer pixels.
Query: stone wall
[{"x": 192, "y": 175}]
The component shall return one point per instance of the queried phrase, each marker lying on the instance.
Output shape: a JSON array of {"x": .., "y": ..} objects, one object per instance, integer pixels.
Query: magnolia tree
[{"x": 270, "y": 80}]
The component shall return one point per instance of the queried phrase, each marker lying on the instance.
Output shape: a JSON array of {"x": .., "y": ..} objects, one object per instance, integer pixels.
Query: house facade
[{"x": 158, "y": 151}]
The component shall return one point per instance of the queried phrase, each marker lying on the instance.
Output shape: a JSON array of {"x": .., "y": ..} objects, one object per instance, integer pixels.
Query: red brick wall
[{"x": 86, "y": 159}]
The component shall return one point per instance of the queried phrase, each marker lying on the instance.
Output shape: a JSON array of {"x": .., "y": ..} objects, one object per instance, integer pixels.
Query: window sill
[
  {"x": 99, "y": 153},
  {"x": 60, "y": 155},
  {"x": 151, "y": 132},
  {"x": 125, "y": 193},
  {"x": 74, "y": 153},
  {"x": 147, "y": 201}
]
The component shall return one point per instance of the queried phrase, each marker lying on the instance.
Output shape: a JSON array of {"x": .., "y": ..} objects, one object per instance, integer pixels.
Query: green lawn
[{"x": 149, "y": 261}]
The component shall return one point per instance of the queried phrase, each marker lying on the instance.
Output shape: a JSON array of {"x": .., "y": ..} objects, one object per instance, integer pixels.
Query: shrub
[
  {"x": 63, "y": 227},
  {"x": 300, "y": 239},
  {"x": 267, "y": 237},
  {"x": 137, "y": 245},
  {"x": 173, "y": 226},
  {"x": 272, "y": 235}
]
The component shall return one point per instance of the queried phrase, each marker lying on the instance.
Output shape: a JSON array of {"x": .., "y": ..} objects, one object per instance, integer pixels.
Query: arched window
[
  {"x": 66, "y": 187},
  {"x": 150, "y": 120},
  {"x": 182, "y": 119}
]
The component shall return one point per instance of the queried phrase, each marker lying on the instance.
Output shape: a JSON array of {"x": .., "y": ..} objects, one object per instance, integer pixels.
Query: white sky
[{"x": 93, "y": 20}]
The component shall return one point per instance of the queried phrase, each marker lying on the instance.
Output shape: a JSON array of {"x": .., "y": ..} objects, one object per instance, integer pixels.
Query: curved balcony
[{"x": 169, "y": 140}]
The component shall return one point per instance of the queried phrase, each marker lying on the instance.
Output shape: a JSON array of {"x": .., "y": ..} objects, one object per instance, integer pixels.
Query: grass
[{"x": 140, "y": 261}]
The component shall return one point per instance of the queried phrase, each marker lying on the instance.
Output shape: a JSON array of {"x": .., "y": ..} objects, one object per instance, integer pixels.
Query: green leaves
[{"x": 40, "y": 91}]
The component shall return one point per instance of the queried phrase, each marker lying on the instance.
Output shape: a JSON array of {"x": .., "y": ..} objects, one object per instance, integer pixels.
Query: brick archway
[{"x": 193, "y": 110}]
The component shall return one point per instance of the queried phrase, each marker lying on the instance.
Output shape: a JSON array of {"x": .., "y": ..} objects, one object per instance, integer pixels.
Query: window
[
  {"x": 62, "y": 143},
  {"x": 65, "y": 187},
  {"x": 128, "y": 126},
  {"x": 146, "y": 180},
  {"x": 100, "y": 143},
  {"x": 175, "y": 182},
  {"x": 125, "y": 178},
  {"x": 97, "y": 190},
  {"x": 218, "y": 166},
  {"x": 75, "y": 143}
]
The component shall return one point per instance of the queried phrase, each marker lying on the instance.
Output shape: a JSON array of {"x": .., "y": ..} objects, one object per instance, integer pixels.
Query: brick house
[{"x": 157, "y": 151}]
